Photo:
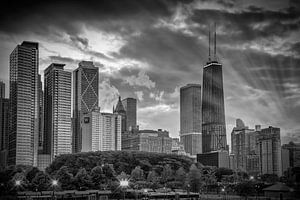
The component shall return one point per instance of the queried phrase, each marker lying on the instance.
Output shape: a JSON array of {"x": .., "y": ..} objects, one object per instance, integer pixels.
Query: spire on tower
[
  {"x": 209, "y": 44},
  {"x": 215, "y": 43}
]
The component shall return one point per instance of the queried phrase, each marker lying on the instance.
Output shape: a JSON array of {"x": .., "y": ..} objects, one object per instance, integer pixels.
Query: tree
[
  {"x": 82, "y": 180},
  {"x": 180, "y": 176},
  {"x": 153, "y": 179},
  {"x": 65, "y": 178},
  {"x": 97, "y": 177},
  {"x": 245, "y": 189},
  {"x": 167, "y": 174},
  {"x": 41, "y": 182},
  {"x": 32, "y": 173},
  {"x": 22, "y": 182},
  {"x": 194, "y": 179},
  {"x": 137, "y": 174}
]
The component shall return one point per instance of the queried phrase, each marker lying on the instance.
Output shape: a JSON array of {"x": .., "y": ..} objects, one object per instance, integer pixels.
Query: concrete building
[
  {"x": 269, "y": 151},
  {"x": 85, "y": 98},
  {"x": 23, "y": 131},
  {"x": 57, "y": 132},
  {"x": 91, "y": 131},
  {"x": 243, "y": 144},
  {"x": 110, "y": 132},
  {"x": 290, "y": 155},
  {"x": 4, "y": 116},
  {"x": 213, "y": 113},
  {"x": 190, "y": 118},
  {"x": 214, "y": 158},
  {"x": 177, "y": 147},
  {"x": 147, "y": 140}
]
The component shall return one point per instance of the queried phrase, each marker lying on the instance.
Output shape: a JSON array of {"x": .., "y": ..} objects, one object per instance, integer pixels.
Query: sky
[{"x": 148, "y": 49}]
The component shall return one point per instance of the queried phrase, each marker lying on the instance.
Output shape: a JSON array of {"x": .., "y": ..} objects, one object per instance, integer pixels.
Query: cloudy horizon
[{"x": 148, "y": 49}]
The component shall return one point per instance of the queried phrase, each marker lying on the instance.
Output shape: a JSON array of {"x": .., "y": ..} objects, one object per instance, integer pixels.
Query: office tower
[
  {"x": 213, "y": 114},
  {"x": 23, "y": 131},
  {"x": 243, "y": 144},
  {"x": 121, "y": 111},
  {"x": 214, "y": 158},
  {"x": 110, "y": 133},
  {"x": 85, "y": 98},
  {"x": 41, "y": 114},
  {"x": 130, "y": 109},
  {"x": 148, "y": 141},
  {"x": 269, "y": 151},
  {"x": 4, "y": 116},
  {"x": 91, "y": 131},
  {"x": 57, "y": 132},
  {"x": 290, "y": 155},
  {"x": 190, "y": 118}
]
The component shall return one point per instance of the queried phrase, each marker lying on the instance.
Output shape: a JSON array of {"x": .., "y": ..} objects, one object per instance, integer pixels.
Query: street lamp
[
  {"x": 251, "y": 177},
  {"x": 18, "y": 183},
  {"x": 124, "y": 183},
  {"x": 54, "y": 184}
]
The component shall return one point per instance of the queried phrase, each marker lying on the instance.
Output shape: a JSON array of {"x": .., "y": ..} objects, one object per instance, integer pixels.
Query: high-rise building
[
  {"x": 4, "y": 111},
  {"x": 130, "y": 109},
  {"x": 148, "y": 141},
  {"x": 190, "y": 118},
  {"x": 213, "y": 114},
  {"x": 243, "y": 144},
  {"x": 121, "y": 111},
  {"x": 57, "y": 132},
  {"x": 41, "y": 115},
  {"x": 85, "y": 98},
  {"x": 91, "y": 131},
  {"x": 290, "y": 155},
  {"x": 23, "y": 131},
  {"x": 110, "y": 132},
  {"x": 269, "y": 151},
  {"x": 214, "y": 158}
]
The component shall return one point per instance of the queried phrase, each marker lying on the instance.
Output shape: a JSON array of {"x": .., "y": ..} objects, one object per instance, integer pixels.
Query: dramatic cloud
[{"x": 149, "y": 49}]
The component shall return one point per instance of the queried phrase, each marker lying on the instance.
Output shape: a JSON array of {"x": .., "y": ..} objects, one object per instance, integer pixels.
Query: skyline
[{"x": 150, "y": 52}]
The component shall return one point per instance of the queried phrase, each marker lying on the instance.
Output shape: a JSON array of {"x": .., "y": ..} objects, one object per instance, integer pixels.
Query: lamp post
[
  {"x": 124, "y": 183},
  {"x": 54, "y": 184}
]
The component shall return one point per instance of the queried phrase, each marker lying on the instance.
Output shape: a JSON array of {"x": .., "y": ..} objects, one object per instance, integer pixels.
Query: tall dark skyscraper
[
  {"x": 130, "y": 108},
  {"x": 23, "y": 131},
  {"x": 41, "y": 114},
  {"x": 190, "y": 118},
  {"x": 4, "y": 111},
  {"x": 85, "y": 98},
  {"x": 213, "y": 114},
  {"x": 57, "y": 139}
]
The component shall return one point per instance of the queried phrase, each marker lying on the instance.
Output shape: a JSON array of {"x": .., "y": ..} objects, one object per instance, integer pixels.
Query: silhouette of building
[
  {"x": 213, "y": 114},
  {"x": 269, "y": 151},
  {"x": 129, "y": 105},
  {"x": 190, "y": 118},
  {"x": 4, "y": 111},
  {"x": 290, "y": 155},
  {"x": 85, "y": 98},
  {"x": 57, "y": 138},
  {"x": 23, "y": 131},
  {"x": 214, "y": 158},
  {"x": 147, "y": 140}
]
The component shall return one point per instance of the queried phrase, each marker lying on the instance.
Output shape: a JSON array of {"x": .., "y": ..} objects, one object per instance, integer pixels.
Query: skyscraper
[
  {"x": 130, "y": 108},
  {"x": 85, "y": 97},
  {"x": 121, "y": 111},
  {"x": 190, "y": 118},
  {"x": 110, "y": 136},
  {"x": 41, "y": 115},
  {"x": 269, "y": 150},
  {"x": 243, "y": 144},
  {"x": 213, "y": 114},
  {"x": 4, "y": 108},
  {"x": 57, "y": 138},
  {"x": 23, "y": 131}
]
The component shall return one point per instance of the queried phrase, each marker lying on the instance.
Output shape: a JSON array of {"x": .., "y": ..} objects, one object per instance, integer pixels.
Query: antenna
[
  {"x": 209, "y": 43},
  {"x": 215, "y": 47}
]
